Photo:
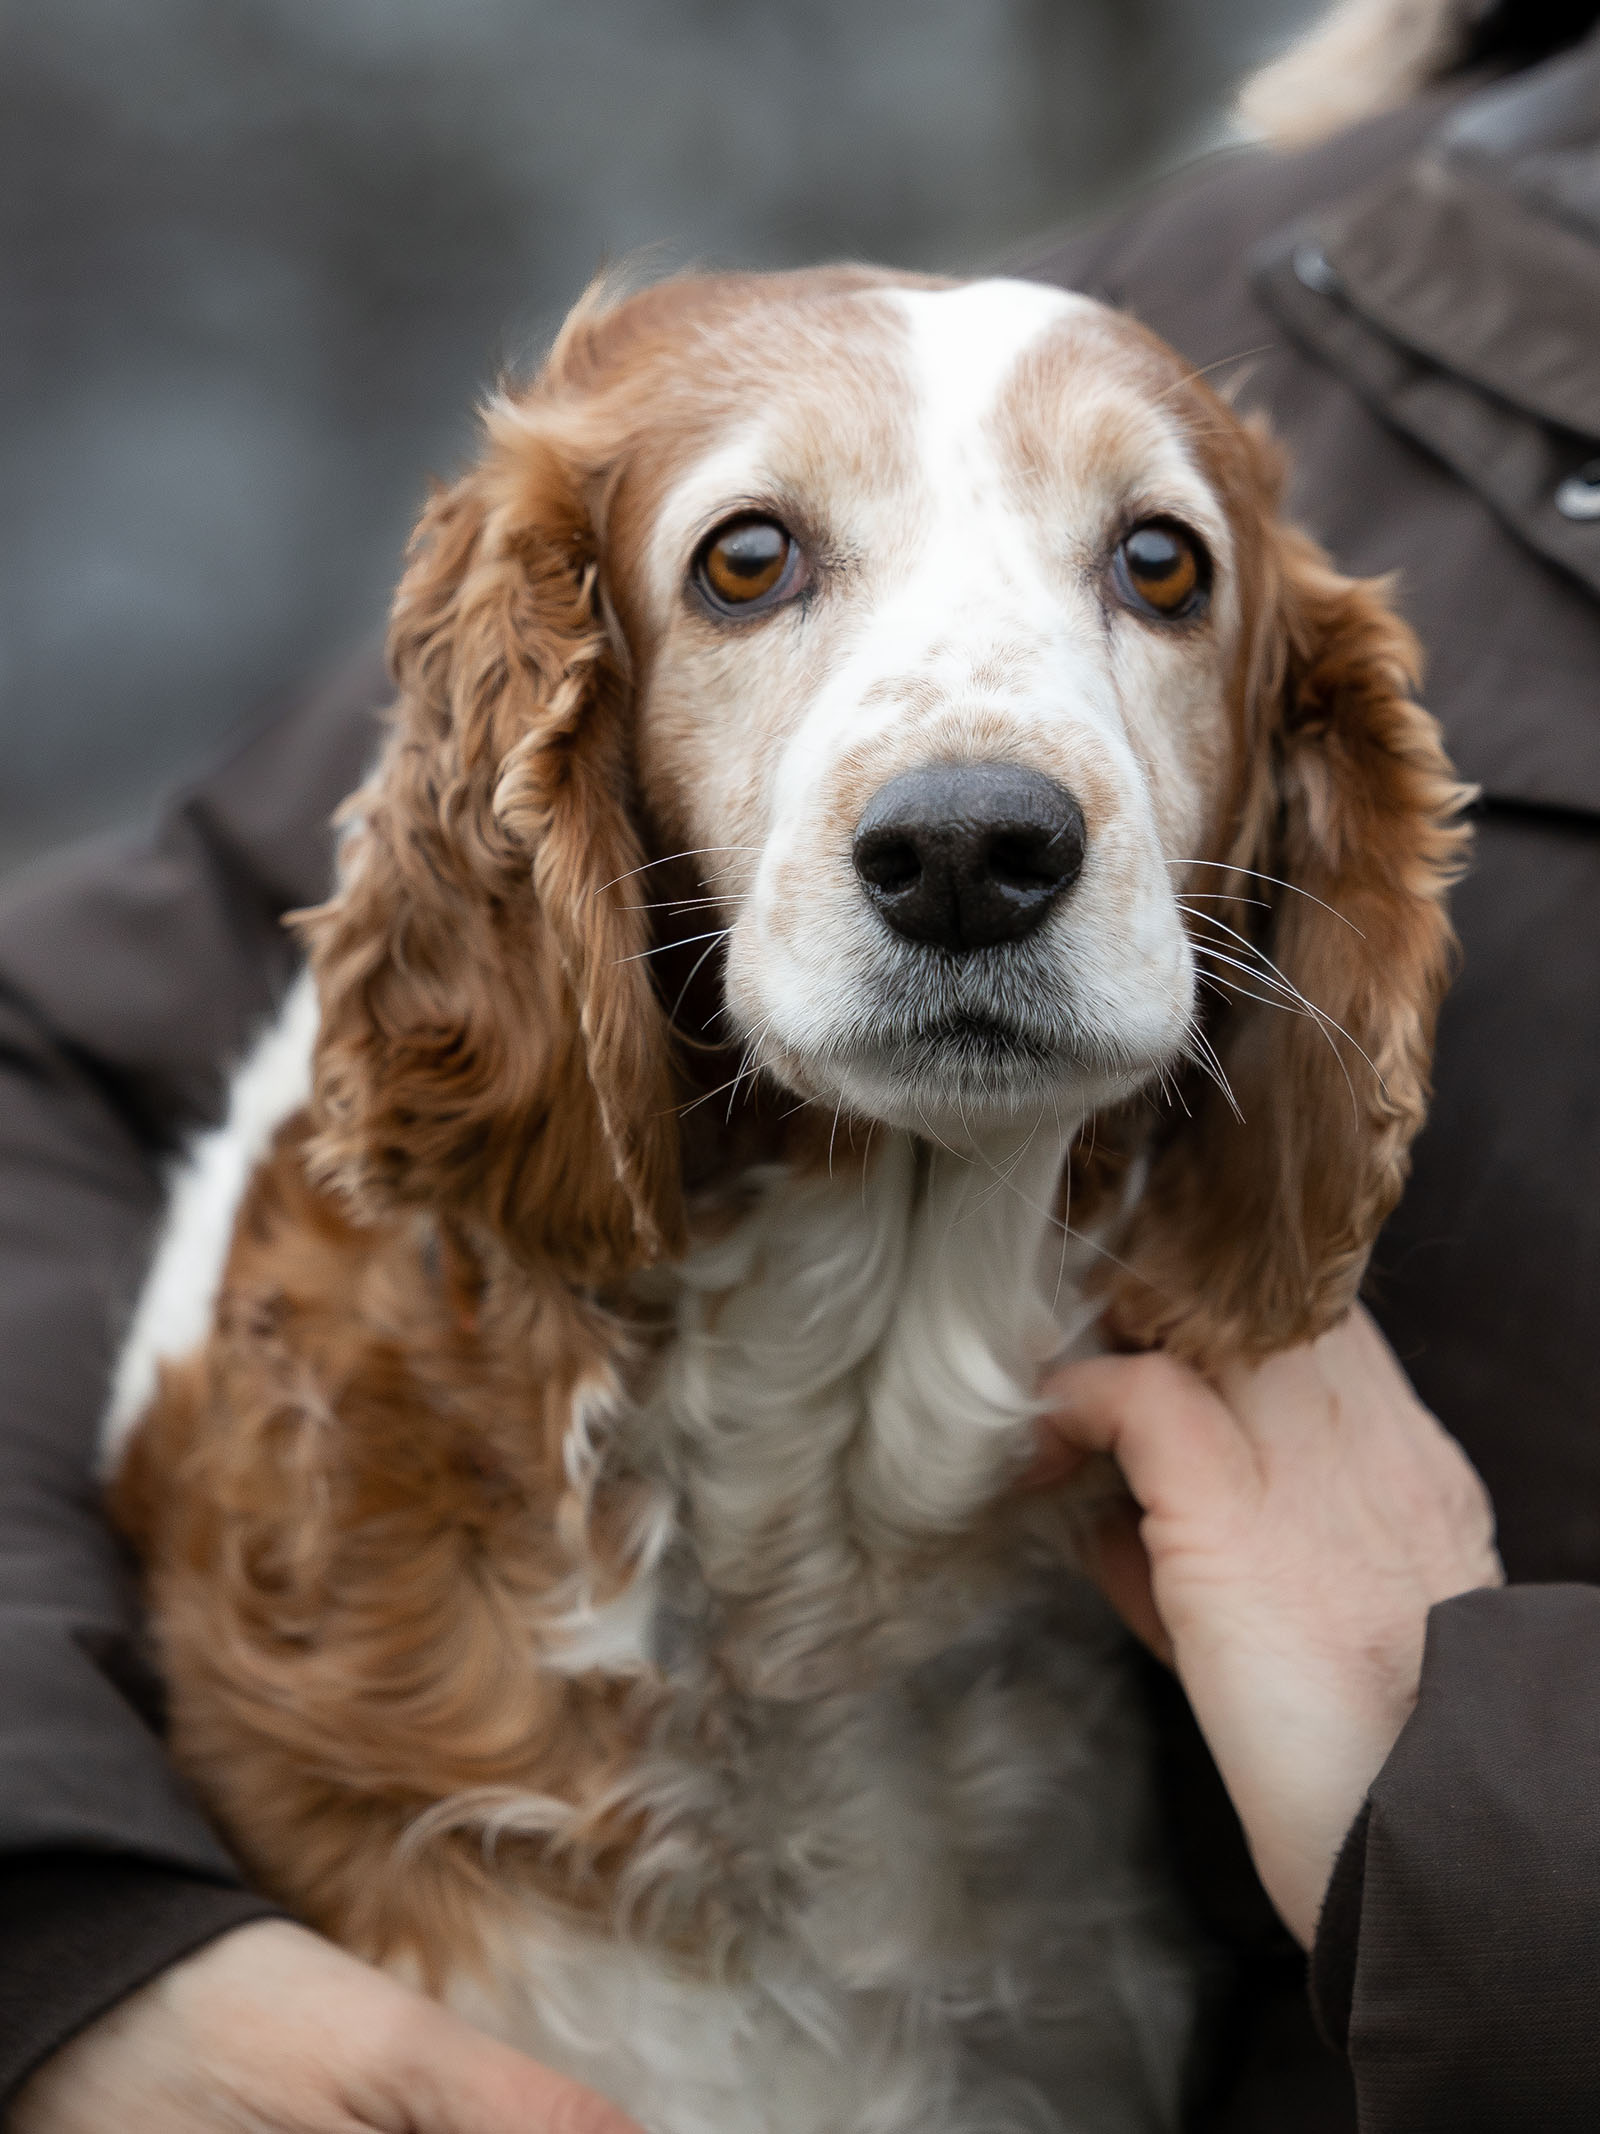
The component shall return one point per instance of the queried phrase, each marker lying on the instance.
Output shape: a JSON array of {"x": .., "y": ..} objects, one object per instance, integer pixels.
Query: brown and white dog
[{"x": 890, "y": 859}]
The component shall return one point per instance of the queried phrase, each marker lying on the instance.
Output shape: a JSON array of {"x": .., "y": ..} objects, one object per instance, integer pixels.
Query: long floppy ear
[
  {"x": 490, "y": 1042},
  {"x": 1263, "y": 1202}
]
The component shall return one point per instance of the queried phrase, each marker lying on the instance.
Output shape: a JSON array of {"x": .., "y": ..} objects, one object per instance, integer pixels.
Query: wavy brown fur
[
  {"x": 344, "y": 1580},
  {"x": 490, "y": 1036}
]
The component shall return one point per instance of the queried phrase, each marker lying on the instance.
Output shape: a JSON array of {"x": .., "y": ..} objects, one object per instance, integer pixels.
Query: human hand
[
  {"x": 1292, "y": 1525},
  {"x": 272, "y": 2030}
]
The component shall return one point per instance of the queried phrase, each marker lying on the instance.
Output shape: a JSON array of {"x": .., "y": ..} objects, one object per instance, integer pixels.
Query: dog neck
[{"x": 851, "y": 1387}]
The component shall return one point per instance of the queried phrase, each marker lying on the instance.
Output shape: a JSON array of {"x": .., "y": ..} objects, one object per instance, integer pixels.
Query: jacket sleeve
[
  {"x": 130, "y": 974},
  {"x": 1458, "y": 1955}
]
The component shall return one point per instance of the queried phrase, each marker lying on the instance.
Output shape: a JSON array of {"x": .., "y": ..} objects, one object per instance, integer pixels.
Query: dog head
[{"x": 941, "y": 644}]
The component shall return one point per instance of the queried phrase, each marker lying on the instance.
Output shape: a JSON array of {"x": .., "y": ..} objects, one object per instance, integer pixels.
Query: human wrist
[
  {"x": 1299, "y": 1734},
  {"x": 81, "y": 1931}
]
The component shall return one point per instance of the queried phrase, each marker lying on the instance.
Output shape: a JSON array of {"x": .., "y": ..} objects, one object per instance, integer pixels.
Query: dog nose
[{"x": 966, "y": 855}]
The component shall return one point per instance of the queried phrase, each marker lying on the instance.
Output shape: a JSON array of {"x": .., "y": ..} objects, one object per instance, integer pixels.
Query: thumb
[
  {"x": 1179, "y": 1446},
  {"x": 464, "y": 2082},
  {"x": 1115, "y": 1558}
]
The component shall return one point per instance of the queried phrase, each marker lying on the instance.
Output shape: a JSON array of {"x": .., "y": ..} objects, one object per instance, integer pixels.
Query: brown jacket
[{"x": 1417, "y": 308}]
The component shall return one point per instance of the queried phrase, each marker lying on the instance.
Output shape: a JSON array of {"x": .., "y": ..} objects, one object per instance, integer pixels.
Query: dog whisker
[
  {"x": 1233, "y": 867},
  {"x": 710, "y": 949},
  {"x": 694, "y": 852},
  {"x": 706, "y": 1096},
  {"x": 675, "y": 904},
  {"x": 1295, "y": 1001},
  {"x": 1204, "y": 1053},
  {"x": 1270, "y": 975},
  {"x": 720, "y": 933},
  {"x": 1205, "y": 896}
]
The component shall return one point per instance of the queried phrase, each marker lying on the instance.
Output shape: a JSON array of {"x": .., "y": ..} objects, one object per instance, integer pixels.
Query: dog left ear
[
  {"x": 490, "y": 1043},
  {"x": 1264, "y": 1201}
]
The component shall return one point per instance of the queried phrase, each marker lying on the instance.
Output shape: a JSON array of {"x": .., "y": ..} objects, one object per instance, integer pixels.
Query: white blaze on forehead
[
  {"x": 974, "y": 582},
  {"x": 965, "y": 346}
]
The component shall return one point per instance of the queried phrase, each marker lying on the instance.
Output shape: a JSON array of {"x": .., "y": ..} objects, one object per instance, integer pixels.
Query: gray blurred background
[{"x": 258, "y": 257}]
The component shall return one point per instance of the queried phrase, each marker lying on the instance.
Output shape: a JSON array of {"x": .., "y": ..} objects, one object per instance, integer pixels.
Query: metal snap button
[
  {"x": 1579, "y": 495},
  {"x": 1314, "y": 270}
]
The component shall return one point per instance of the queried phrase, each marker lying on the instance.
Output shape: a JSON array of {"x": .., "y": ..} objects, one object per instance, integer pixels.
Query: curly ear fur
[
  {"x": 1259, "y": 1213},
  {"x": 490, "y": 1042}
]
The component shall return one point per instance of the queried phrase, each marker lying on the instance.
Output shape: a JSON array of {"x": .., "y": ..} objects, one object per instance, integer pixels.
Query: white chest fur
[{"x": 927, "y": 1821}]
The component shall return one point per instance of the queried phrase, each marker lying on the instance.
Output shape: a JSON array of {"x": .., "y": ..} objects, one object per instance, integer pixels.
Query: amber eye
[
  {"x": 745, "y": 562},
  {"x": 1161, "y": 569}
]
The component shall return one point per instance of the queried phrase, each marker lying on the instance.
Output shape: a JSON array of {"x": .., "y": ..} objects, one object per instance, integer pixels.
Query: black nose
[{"x": 965, "y": 855}]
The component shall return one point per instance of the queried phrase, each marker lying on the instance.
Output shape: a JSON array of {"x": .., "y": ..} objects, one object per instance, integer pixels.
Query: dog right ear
[
  {"x": 1263, "y": 1201},
  {"x": 490, "y": 1043}
]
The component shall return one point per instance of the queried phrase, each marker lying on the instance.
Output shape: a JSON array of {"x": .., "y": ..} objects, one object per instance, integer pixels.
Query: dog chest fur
[
  {"x": 930, "y": 1834},
  {"x": 896, "y": 1866}
]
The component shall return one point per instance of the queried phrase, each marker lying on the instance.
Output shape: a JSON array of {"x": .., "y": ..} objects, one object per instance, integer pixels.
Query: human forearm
[
  {"x": 270, "y": 2030},
  {"x": 79, "y": 1931}
]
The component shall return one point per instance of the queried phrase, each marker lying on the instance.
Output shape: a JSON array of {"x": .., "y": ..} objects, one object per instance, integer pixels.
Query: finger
[
  {"x": 1177, "y": 1443},
  {"x": 464, "y": 2082},
  {"x": 1116, "y": 1559}
]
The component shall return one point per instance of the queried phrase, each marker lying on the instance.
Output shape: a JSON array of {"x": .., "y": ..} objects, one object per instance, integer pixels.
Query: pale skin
[
  {"x": 272, "y": 2030},
  {"x": 1291, "y": 1525}
]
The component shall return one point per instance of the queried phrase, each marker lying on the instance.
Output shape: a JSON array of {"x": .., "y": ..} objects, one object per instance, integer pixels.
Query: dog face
[
  {"x": 948, "y": 634},
  {"x": 900, "y": 686}
]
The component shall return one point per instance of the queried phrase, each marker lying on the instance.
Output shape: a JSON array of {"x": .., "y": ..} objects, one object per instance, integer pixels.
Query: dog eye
[
  {"x": 1161, "y": 569},
  {"x": 747, "y": 563}
]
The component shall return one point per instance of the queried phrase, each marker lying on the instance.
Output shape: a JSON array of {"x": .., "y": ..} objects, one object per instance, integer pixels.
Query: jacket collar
[{"x": 1461, "y": 296}]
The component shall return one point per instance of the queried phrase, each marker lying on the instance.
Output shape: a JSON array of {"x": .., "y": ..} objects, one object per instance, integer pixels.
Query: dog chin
[{"x": 962, "y": 1078}]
